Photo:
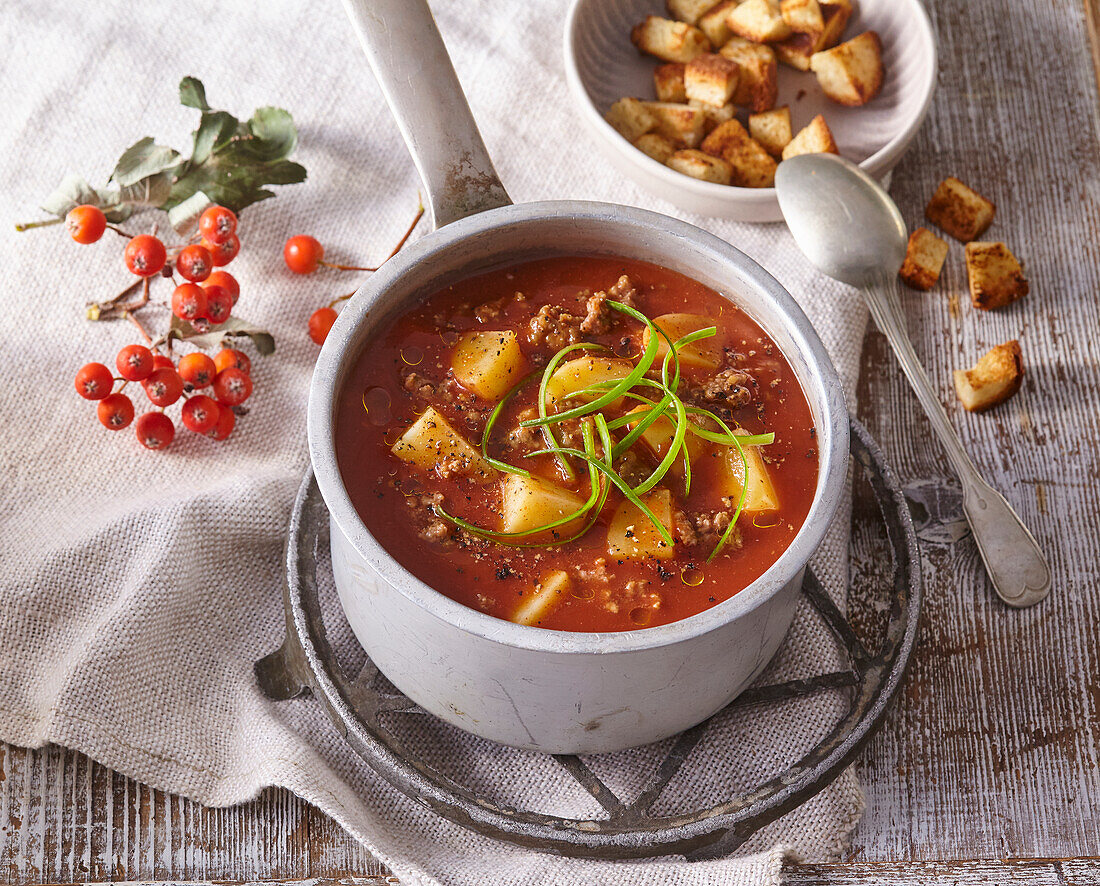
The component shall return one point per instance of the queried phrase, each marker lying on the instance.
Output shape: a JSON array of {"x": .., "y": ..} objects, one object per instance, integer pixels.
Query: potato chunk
[
  {"x": 759, "y": 490},
  {"x": 993, "y": 379},
  {"x": 703, "y": 354},
  {"x": 814, "y": 138},
  {"x": 751, "y": 166},
  {"x": 488, "y": 363},
  {"x": 996, "y": 277},
  {"x": 668, "y": 40},
  {"x": 758, "y": 20},
  {"x": 851, "y": 73},
  {"x": 630, "y": 118},
  {"x": 924, "y": 259},
  {"x": 772, "y": 129},
  {"x": 681, "y": 123},
  {"x": 530, "y": 502},
  {"x": 631, "y": 535},
  {"x": 758, "y": 83},
  {"x": 701, "y": 166},
  {"x": 576, "y": 375},
  {"x": 658, "y": 439},
  {"x": 961, "y": 211},
  {"x": 543, "y": 598},
  {"x": 432, "y": 444}
]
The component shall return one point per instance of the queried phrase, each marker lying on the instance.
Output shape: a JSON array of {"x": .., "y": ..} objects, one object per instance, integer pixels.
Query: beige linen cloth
[{"x": 137, "y": 588}]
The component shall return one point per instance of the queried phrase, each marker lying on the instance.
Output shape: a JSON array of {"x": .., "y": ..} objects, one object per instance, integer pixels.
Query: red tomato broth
[{"x": 497, "y": 583}]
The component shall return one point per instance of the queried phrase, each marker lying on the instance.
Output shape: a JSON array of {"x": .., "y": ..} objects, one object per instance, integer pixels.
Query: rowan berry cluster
[{"x": 213, "y": 391}]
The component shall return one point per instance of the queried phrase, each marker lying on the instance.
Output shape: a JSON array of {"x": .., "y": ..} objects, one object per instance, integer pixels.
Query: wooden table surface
[{"x": 988, "y": 767}]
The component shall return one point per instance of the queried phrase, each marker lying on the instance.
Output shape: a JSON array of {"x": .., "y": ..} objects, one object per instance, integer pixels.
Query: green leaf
[
  {"x": 193, "y": 94},
  {"x": 183, "y": 216},
  {"x": 234, "y": 326},
  {"x": 274, "y": 132},
  {"x": 73, "y": 191},
  {"x": 215, "y": 130},
  {"x": 142, "y": 160}
]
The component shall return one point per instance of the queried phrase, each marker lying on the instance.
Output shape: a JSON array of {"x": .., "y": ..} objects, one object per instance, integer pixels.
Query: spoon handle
[{"x": 1016, "y": 565}]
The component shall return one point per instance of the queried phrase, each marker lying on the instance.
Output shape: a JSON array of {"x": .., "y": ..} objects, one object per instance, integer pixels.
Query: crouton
[
  {"x": 797, "y": 50},
  {"x": 689, "y": 11},
  {"x": 701, "y": 166},
  {"x": 996, "y": 278},
  {"x": 758, "y": 84},
  {"x": 656, "y": 146},
  {"x": 714, "y": 24},
  {"x": 772, "y": 129},
  {"x": 681, "y": 123},
  {"x": 814, "y": 138},
  {"x": 993, "y": 379},
  {"x": 715, "y": 116},
  {"x": 802, "y": 15},
  {"x": 668, "y": 82},
  {"x": 962, "y": 212},
  {"x": 710, "y": 79},
  {"x": 630, "y": 118},
  {"x": 668, "y": 40},
  {"x": 923, "y": 259},
  {"x": 751, "y": 166},
  {"x": 851, "y": 73},
  {"x": 758, "y": 20}
]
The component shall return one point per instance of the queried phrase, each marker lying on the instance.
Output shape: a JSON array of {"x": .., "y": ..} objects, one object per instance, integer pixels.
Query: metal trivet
[{"x": 357, "y": 702}]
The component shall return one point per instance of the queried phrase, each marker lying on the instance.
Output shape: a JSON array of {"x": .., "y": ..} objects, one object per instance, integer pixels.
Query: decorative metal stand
[{"x": 357, "y": 702}]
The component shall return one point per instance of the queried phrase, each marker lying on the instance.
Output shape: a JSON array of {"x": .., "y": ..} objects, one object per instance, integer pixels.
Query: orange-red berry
[
  {"x": 145, "y": 255},
  {"x": 155, "y": 430},
  {"x": 320, "y": 322},
  {"x": 223, "y": 253},
  {"x": 226, "y": 420},
  {"x": 189, "y": 301},
  {"x": 232, "y": 387},
  {"x": 217, "y": 224},
  {"x": 164, "y": 387},
  {"x": 228, "y": 358},
  {"x": 303, "y": 254},
  {"x": 225, "y": 280},
  {"x": 85, "y": 223},
  {"x": 195, "y": 263},
  {"x": 219, "y": 304},
  {"x": 94, "y": 381},
  {"x": 162, "y": 362},
  {"x": 134, "y": 362},
  {"x": 115, "y": 412},
  {"x": 200, "y": 413},
  {"x": 197, "y": 369}
]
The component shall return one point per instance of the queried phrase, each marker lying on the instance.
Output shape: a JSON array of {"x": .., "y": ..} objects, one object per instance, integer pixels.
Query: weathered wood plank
[{"x": 1033, "y": 872}]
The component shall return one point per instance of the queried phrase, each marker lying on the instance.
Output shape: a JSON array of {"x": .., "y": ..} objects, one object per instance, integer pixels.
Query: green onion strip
[{"x": 601, "y": 473}]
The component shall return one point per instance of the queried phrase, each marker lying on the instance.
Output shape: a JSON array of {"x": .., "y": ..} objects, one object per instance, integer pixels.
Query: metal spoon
[{"x": 848, "y": 226}]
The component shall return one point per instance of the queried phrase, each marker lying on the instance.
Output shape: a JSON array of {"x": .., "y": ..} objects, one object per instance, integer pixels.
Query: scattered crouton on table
[
  {"x": 711, "y": 79},
  {"x": 701, "y": 166},
  {"x": 996, "y": 278},
  {"x": 923, "y": 259},
  {"x": 851, "y": 73},
  {"x": 772, "y": 129},
  {"x": 962, "y": 212},
  {"x": 993, "y": 379},
  {"x": 751, "y": 166},
  {"x": 758, "y": 83},
  {"x": 668, "y": 40},
  {"x": 814, "y": 138}
]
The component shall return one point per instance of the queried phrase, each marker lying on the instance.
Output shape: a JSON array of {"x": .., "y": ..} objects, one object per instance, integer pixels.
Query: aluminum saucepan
[{"x": 551, "y": 691}]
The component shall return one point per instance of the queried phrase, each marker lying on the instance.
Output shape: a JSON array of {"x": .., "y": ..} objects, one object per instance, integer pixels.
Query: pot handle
[{"x": 409, "y": 60}]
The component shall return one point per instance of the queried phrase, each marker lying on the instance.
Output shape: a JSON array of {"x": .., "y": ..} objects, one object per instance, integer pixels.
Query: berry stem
[
  {"x": 126, "y": 312},
  {"x": 337, "y": 301},
  {"x": 400, "y": 243},
  {"x": 45, "y": 223},
  {"x": 335, "y": 267},
  {"x": 120, "y": 232}
]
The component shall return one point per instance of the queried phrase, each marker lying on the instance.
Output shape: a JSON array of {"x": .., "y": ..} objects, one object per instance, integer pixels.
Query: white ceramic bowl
[{"x": 602, "y": 66}]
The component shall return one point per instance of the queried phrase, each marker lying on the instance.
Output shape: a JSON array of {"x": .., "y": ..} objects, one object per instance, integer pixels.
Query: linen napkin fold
[{"x": 138, "y": 588}]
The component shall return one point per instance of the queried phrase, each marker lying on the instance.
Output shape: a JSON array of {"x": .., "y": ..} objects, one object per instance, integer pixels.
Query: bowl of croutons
[{"x": 698, "y": 101}]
